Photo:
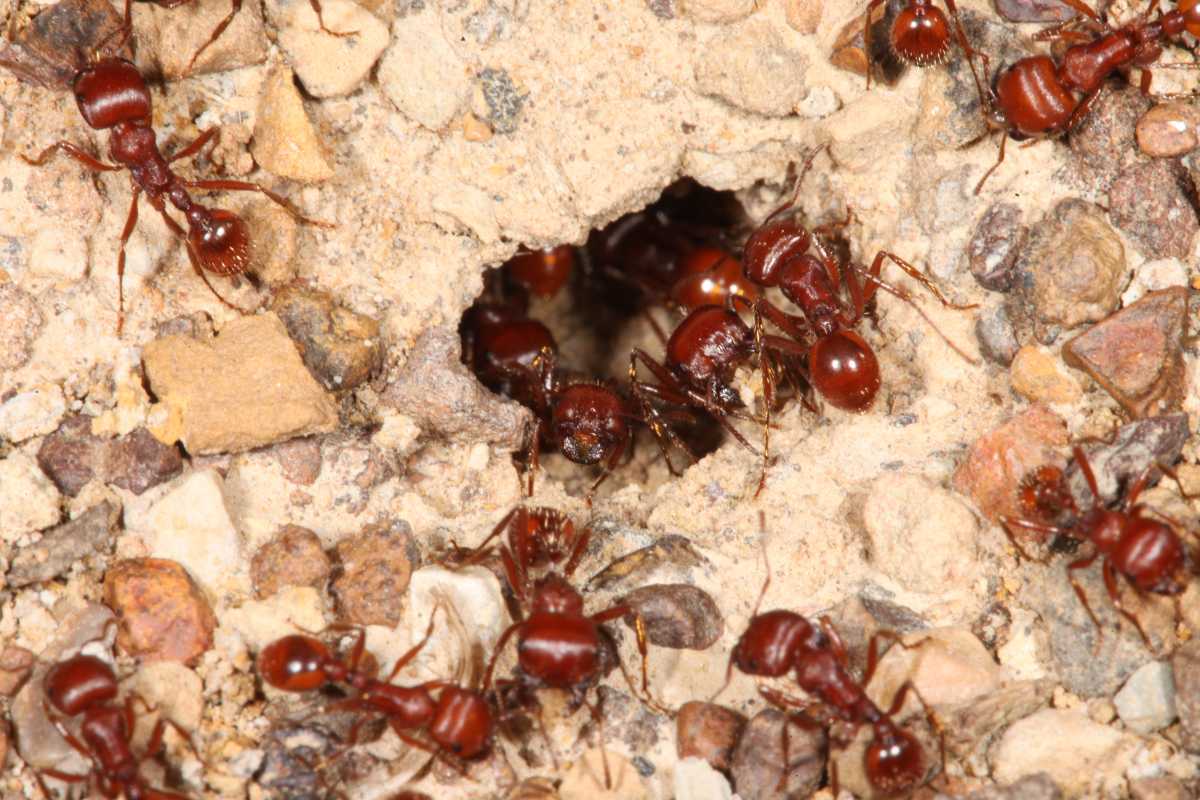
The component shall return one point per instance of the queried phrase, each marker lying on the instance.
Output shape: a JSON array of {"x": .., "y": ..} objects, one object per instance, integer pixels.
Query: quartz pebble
[
  {"x": 708, "y": 731},
  {"x": 1136, "y": 354},
  {"x": 163, "y": 614},
  {"x": 1169, "y": 130},
  {"x": 1146, "y": 702},
  {"x": 695, "y": 779}
]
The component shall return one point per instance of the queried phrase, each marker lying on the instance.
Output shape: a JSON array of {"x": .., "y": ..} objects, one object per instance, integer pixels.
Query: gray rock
[
  {"x": 1146, "y": 703},
  {"x": 65, "y": 545},
  {"x": 1137, "y": 445},
  {"x": 758, "y": 759},
  {"x": 1034, "y": 10},
  {"x": 995, "y": 247},
  {"x": 676, "y": 615},
  {"x": 1185, "y": 669},
  {"x": 996, "y": 335}
]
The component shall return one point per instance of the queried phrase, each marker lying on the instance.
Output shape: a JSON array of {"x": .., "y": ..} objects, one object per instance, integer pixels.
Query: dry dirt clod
[
  {"x": 20, "y": 325},
  {"x": 740, "y": 66},
  {"x": 300, "y": 459},
  {"x": 718, "y": 11},
  {"x": 1152, "y": 205},
  {"x": 1135, "y": 355},
  {"x": 28, "y": 500},
  {"x": 998, "y": 461},
  {"x": 293, "y": 557},
  {"x": 676, "y": 615},
  {"x": 803, "y": 15},
  {"x": 163, "y": 614},
  {"x": 341, "y": 348},
  {"x": 329, "y": 66},
  {"x": 708, "y": 731},
  {"x": 422, "y": 74},
  {"x": 244, "y": 389},
  {"x": 285, "y": 141},
  {"x": 62, "y": 547},
  {"x": 996, "y": 246},
  {"x": 375, "y": 569},
  {"x": 1134, "y": 447},
  {"x": 1169, "y": 129},
  {"x": 758, "y": 759},
  {"x": 172, "y": 35}
]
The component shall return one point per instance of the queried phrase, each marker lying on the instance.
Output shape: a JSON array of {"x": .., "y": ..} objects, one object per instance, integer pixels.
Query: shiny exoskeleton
[
  {"x": 1142, "y": 548},
  {"x": 1038, "y": 97},
  {"x": 82, "y": 690},
  {"x": 458, "y": 721},
  {"x": 920, "y": 35},
  {"x": 112, "y": 95}
]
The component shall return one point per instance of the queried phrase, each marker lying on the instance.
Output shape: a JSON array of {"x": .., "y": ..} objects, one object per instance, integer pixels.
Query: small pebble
[
  {"x": 803, "y": 15},
  {"x": 330, "y": 66},
  {"x": 1169, "y": 130},
  {"x": 1136, "y": 354},
  {"x": 1151, "y": 203},
  {"x": 1104, "y": 143},
  {"x": 28, "y": 500},
  {"x": 708, "y": 731},
  {"x": 1146, "y": 702},
  {"x": 758, "y": 758},
  {"x": 584, "y": 779},
  {"x": 996, "y": 335},
  {"x": 137, "y": 461},
  {"x": 1135, "y": 446},
  {"x": 340, "y": 347},
  {"x": 276, "y": 240},
  {"x": 293, "y": 557},
  {"x": 1163, "y": 787},
  {"x": 375, "y": 568},
  {"x": 173, "y": 35},
  {"x": 676, "y": 615},
  {"x": 285, "y": 141},
  {"x": 163, "y": 614},
  {"x": 422, "y": 74},
  {"x": 1038, "y": 376},
  {"x": 32, "y": 413},
  {"x": 995, "y": 247},
  {"x": 1185, "y": 670},
  {"x": 176, "y": 692},
  {"x": 695, "y": 779},
  {"x": 62, "y": 547}
]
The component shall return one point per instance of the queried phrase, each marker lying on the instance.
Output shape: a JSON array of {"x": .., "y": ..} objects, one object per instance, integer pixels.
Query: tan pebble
[
  {"x": 1038, "y": 375},
  {"x": 1169, "y": 130},
  {"x": 275, "y": 235},
  {"x": 285, "y": 142},
  {"x": 803, "y": 15},
  {"x": 475, "y": 129},
  {"x": 584, "y": 780},
  {"x": 163, "y": 614},
  {"x": 293, "y": 557}
]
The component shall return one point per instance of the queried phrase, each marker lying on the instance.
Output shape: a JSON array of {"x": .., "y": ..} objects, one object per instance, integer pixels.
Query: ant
[
  {"x": 777, "y": 642},
  {"x": 842, "y": 367},
  {"x": 112, "y": 95},
  {"x": 541, "y": 272},
  {"x": 85, "y": 686},
  {"x": 459, "y": 721},
  {"x": 920, "y": 35},
  {"x": 1145, "y": 551},
  {"x": 558, "y": 646},
  {"x": 1037, "y": 98}
]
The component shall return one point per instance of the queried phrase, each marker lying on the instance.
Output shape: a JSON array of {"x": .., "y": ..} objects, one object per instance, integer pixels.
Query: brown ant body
[
  {"x": 85, "y": 687},
  {"x": 112, "y": 95},
  {"x": 1037, "y": 98},
  {"x": 458, "y": 721},
  {"x": 920, "y": 33},
  {"x": 1145, "y": 551},
  {"x": 541, "y": 272}
]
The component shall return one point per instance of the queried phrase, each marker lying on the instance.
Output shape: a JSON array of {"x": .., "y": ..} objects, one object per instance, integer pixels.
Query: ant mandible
[
  {"x": 112, "y": 95},
  {"x": 459, "y": 721},
  {"x": 777, "y": 642},
  {"x": 842, "y": 367},
  {"x": 1037, "y": 98},
  {"x": 85, "y": 686},
  {"x": 558, "y": 646},
  {"x": 1145, "y": 551}
]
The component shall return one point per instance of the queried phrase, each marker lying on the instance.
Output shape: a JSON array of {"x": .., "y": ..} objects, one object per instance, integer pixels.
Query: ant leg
[
  {"x": 599, "y": 719},
  {"x": 994, "y": 167},
  {"x": 1080, "y": 112},
  {"x": 1085, "y": 466},
  {"x": 1114, "y": 594},
  {"x": 809, "y": 157},
  {"x": 75, "y": 152},
  {"x": 477, "y": 554},
  {"x": 130, "y": 223},
  {"x": 503, "y": 640},
  {"x": 873, "y": 650},
  {"x": 670, "y": 392},
  {"x": 1078, "y": 564},
  {"x": 1036, "y": 527},
  {"x": 1087, "y": 11},
  {"x": 221, "y": 185},
  {"x": 234, "y": 7},
  {"x": 930, "y": 717},
  {"x": 969, "y": 53},
  {"x": 917, "y": 275},
  {"x": 639, "y": 627},
  {"x": 836, "y": 643},
  {"x": 195, "y": 146},
  {"x": 581, "y": 543},
  {"x": 874, "y": 4},
  {"x": 403, "y": 661}
]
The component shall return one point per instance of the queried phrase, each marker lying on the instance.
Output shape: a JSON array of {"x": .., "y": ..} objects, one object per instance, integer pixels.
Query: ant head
[
  {"x": 79, "y": 683},
  {"x": 294, "y": 663},
  {"x": 220, "y": 240},
  {"x": 1044, "y": 493},
  {"x": 554, "y": 595},
  {"x": 462, "y": 723},
  {"x": 589, "y": 420},
  {"x": 844, "y": 370},
  {"x": 769, "y": 644},
  {"x": 894, "y": 761},
  {"x": 543, "y": 272},
  {"x": 710, "y": 276},
  {"x": 921, "y": 35},
  {"x": 110, "y": 92}
]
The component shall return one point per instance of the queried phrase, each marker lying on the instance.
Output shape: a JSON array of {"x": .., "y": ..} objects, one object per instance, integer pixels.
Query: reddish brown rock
[
  {"x": 1136, "y": 354},
  {"x": 294, "y": 557},
  {"x": 138, "y": 461},
  {"x": 300, "y": 460},
  {"x": 72, "y": 456},
  {"x": 708, "y": 731},
  {"x": 998, "y": 461},
  {"x": 1152, "y": 205},
  {"x": 163, "y": 614},
  {"x": 374, "y": 572}
]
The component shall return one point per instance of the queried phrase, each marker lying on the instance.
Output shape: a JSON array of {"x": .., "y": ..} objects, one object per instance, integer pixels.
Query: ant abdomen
[
  {"x": 294, "y": 663},
  {"x": 844, "y": 370},
  {"x": 221, "y": 243},
  {"x": 921, "y": 35},
  {"x": 462, "y": 722},
  {"x": 894, "y": 762}
]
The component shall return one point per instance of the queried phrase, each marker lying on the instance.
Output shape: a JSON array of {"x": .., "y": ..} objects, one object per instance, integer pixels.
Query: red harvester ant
[
  {"x": 558, "y": 646},
  {"x": 777, "y": 642},
  {"x": 1037, "y": 98},
  {"x": 1146, "y": 551},
  {"x": 541, "y": 272},
  {"x": 84, "y": 686},
  {"x": 920, "y": 35},
  {"x": 112, "y": 94},
  {"x": 458, "y": 721},
  {"x": 841, "y": 365}
]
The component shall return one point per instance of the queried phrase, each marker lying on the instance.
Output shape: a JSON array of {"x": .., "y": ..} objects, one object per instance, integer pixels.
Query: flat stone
[
  {"x": 998, "y": 461},
  {"x": 329, "y": 66},
  {"x": 285, "y": 141},
  {"x": 1038, "y": 376},
  {"x": 63, "y": 546},
  {"x": 1077, "y": 754},
  {"x": 1146, "y": 703},
  {"x": 742, "y": 65},
  {"x": 1103, "y": 143},
  {"x": 340, "y": 347},
  {"x": 28, "y": 500},
  {"x": 1136, "y": 446},
  {"x": 244, "y": 389},
  {"x": 1136, "y": 354},
  {"x": 1152, "y": 205},
  {"x": 163, "y": 614},
  {"x": 422, "y": 74},
  {"x": 32, "y": 413}
]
